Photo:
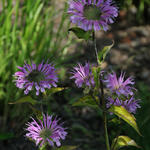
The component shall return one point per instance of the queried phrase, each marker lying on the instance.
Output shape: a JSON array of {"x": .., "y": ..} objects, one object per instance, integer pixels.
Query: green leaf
[
  {"x": 123, "y": 141},
  {"x": 115, "y": 121},
  {"x": 5, "y": 136},
  {"x": 96, "y": 73},
  {"x": 36, "y": 112},
  {"x": 125, "y": 115},
  {"x": 43, "y": 147},
  {"x": 102, "y": 54},
  {"x": 67, "y": 148},
  {"x": 80, "y": 33},
  {"x": 86, "y": 101},
  {"x": 55, "y": 90},
  {"x": 26, "y": 99}
]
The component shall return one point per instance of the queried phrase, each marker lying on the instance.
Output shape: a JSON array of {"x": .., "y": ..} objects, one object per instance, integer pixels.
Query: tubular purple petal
[
  {"x": 38, "y": 76},
  {"x": 44, "y": 131},
  {"x": 83, "y": 75},
  {"x": 92, "y": 14},
  {"x": 119, "y": 86}
]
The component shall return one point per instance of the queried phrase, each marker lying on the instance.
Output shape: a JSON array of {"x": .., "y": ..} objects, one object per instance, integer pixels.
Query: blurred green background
[{"x": 36, "y": 30}]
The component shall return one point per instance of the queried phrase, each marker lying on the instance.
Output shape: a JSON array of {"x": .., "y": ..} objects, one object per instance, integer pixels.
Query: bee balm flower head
[
  {"x": 39, "y": 76},
  {"x": 92, "y": 14},
  {"x": 119, "y": 85},
  {"x": 83, "y": 75},
  {"x": 47, "y": 130}
]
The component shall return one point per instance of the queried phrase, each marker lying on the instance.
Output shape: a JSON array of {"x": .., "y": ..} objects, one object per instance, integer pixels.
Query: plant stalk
[
  {"x": 104, "y": 115},
  {"x": 102, "y": 97},
  {"x": 95, "y": 47}
]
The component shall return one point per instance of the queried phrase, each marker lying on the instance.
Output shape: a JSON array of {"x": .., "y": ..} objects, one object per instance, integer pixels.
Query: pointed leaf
[
  {"x": 123, "y": 141},
  {"x": 80, "y": 33},
  {"x": 26, "y": 99},
  {"x": 102, "y": 54},
  {"x": 67, "y": 148},
  {"x": 86, "y": 101},
  {"x": 125, "y": 115},
  {"x": 115, "y": 120},
  {"x": 55, "y": 90}
]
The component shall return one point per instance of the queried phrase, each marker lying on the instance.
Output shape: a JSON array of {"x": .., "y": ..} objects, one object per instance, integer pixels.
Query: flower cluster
[
  {"x": 122, "y": 92},
  {"x": 83, "y": 75},
  {"x": 92, "y": 14},
  {"x": 39, "y": 76},
  {"x": 47, "y": 130}
]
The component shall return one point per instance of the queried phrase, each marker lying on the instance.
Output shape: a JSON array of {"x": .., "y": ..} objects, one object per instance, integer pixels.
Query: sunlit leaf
[
  {"x": 55, "y": 90},
  {"x": 102, "y": 54},
  {"x": 26, "y": 99},
  {"x": 115, "y": 121},
  {"x": 86, "y": 101},
  {"x": 123, "y": 141},
  {"x": 66, "y": 148},
  {"x": 125, "y": 115},
  {"x": 80, "y": 33},
  {"x": 5, "y": 136}
]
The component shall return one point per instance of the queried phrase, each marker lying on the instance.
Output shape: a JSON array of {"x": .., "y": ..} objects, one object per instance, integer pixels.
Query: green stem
[
  {"x": 40, "y": 99},
  {"x": 95, "y": 47},
  {"x": 102, "y": 97},
  {"x": 106, "y": 132},
  {"x": 104, "y": 116}
]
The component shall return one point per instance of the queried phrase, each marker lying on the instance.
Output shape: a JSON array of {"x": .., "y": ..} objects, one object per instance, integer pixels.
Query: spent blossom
[
  {"x": 45, "y": 131},
  {"x": 92, "y": 14},
  {"x": 39, "y": 76}
]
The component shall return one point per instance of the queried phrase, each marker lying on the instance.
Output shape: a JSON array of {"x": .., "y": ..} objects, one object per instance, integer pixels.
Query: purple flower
[
  {"x": 119, "y": 86},
  {"x": 46, "y": 131},
  {"x": 92, "y": 14},
  {"x": 129, "y": 104},
  {"x": 39, "y": 76},
  {"x": 83, "y": 75}
]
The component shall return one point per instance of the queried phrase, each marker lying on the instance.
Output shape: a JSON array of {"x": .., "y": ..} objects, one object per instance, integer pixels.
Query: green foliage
[
  {"x": 143, "y": 118},
  {"x": 96, "y": 73},
  {"x": 67, "y": 148},
  {"x": 87, "y": 101},
  {"x": 126, "y": 116},
  {"x": 103, "y": 53},
  {"x": 5, "y": 136},
  {"x": 29, "y": 31},
  {"x": 26, "y": 99},
  {"x": 123, "y": 141},
  {"x": 54, "y": 90},
  {"x": 80, "y": 33}
]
